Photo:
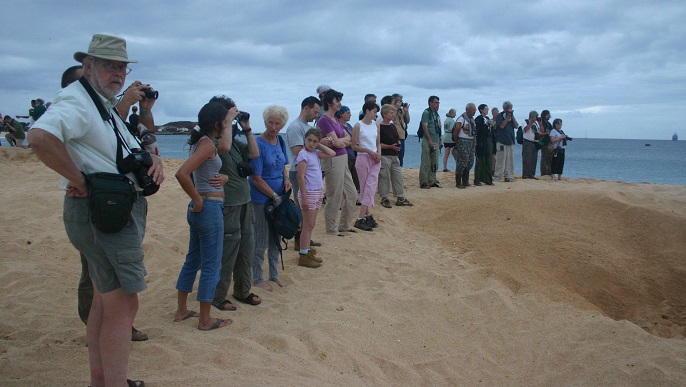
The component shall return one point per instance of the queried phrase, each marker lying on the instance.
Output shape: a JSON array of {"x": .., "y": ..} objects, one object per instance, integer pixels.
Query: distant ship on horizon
[{"x": 675, "y": 137}]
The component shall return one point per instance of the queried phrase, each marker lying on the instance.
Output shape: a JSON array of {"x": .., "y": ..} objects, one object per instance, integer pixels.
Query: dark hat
[{"x": 106, "y": 47}]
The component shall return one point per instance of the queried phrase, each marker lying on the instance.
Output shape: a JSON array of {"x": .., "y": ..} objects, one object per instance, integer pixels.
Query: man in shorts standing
[{"x": 74, "y": 139}]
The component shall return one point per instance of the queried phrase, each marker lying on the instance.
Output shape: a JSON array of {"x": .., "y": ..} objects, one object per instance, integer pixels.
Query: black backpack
[{"x": 284, "y": 220}]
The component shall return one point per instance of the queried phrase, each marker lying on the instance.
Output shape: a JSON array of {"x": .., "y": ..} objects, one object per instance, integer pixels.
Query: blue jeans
[{"x": 204, "y": 250}]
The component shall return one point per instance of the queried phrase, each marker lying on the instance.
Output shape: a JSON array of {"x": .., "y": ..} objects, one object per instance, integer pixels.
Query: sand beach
[{"x": 577, "y": 282}]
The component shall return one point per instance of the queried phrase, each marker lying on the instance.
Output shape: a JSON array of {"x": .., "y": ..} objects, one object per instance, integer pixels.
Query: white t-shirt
[
  {"x": 465, "y": 123},
  {"x": 529, "y": 135},
  {"x": 555, "y": 134},
  {"x": 91, "y": 142}
]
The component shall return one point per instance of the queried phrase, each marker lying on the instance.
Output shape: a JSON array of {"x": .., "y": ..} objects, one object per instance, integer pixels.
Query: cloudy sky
[{"x": 608, "y": 68}]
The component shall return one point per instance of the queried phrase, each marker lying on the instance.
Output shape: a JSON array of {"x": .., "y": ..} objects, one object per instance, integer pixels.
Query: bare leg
[
  {"x": 446, "y": 155},
  {"x": 182, "y": 311},
  {"x": 108, "y": 334},
  {"x": 206, "y": 322},
  {"x": 364, "y": 210},
  {"x": 309, "y": 219},
  {"x": 264, "y": 285}
]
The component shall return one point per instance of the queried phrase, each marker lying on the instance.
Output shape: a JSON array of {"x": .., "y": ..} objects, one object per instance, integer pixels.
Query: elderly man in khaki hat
[{"x": 79, "y": 135}]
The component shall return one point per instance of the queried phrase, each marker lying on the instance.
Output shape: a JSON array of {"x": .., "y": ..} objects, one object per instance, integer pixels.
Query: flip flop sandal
[
  {"x": 250, "y": 300},
  {"x": 225, "y": 305}
]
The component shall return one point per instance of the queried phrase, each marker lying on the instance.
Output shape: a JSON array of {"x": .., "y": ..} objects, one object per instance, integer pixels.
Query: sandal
[
  {"x": 386, "y": 203},
  {"x": 225, "y": 305},
  {"x": 135, "y": 383},
  {"x": 252, "y": 299}
]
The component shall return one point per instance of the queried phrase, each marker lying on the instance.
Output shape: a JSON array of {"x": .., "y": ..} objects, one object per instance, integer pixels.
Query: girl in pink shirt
[{"x": 310, "y": 181}]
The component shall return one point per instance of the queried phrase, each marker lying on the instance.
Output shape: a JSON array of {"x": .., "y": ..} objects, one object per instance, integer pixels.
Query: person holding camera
[
  {"x": 73, "y": 138},
  {"x": 239, "y": 237},
  {"x": 559, "y": 140},
  {"x": 204, "y": 215},
  {"x": 505, "y": 125},
  {"x": 85, "y": 287},
  {"x": 402, "y": 118},
  {"x": 529, "y": 146},
  {"x": 269, "y": 181},
  {"x": 15, "y": 131}
]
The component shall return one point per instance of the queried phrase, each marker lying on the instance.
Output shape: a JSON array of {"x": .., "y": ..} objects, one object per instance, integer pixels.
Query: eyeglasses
[{"x": 114, "y": 67}]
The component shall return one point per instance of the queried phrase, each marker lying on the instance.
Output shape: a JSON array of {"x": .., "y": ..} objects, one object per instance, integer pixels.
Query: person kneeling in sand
[
  {"x": 15, "y": 131},
  {"x": 310, "y": 181}
]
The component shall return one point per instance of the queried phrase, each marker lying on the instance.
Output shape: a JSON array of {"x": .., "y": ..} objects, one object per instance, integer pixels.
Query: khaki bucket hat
[{"x": 106, "y": 47}]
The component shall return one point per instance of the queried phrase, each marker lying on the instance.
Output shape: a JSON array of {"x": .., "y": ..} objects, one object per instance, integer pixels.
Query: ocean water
[{"x": 663, "y": 162}]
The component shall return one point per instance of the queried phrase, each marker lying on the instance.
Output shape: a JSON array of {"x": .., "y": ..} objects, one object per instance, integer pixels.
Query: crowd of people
[{"x": 233, "y": 177}]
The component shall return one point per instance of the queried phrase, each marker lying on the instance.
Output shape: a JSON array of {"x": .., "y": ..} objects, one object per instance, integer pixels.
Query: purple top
[
  {"x": 326, "y": 125},
  {"x": 313, "y": 173}
]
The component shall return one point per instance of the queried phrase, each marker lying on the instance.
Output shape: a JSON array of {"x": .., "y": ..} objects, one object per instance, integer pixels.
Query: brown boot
[
  {"x": 313, "y": 254},
  {"x": 307, "y": 260}
]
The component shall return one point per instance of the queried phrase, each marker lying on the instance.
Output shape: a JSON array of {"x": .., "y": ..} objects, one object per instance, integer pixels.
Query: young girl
[
  {"x": 310, "y": 181},
  {"x": 367, "y": 144},
  {"x": 204, "y": 215}
]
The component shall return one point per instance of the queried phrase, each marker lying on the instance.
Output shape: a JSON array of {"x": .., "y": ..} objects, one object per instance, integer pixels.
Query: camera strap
[{"x": 109, "y": 117}]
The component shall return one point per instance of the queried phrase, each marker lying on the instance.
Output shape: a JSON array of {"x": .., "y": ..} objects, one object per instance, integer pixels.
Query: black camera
[
  {"x": 138, "y": 162},
  {"x": 242, "y": 116},
  {"x": 150, "y": 94},
  {"x": 245, "y": 169},
  {"x": 569, "y": 138}
]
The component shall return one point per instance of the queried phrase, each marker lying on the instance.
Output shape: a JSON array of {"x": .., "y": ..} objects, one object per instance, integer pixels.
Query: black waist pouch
[{"x": 110, "y": 200}]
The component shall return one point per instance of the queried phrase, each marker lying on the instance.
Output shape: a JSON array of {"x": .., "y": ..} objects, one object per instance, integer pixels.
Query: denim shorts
[{"x": 114, "y": 260}]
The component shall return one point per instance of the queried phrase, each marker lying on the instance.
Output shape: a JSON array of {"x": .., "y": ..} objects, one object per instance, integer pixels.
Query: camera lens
[{"x": 150, "y": 94}]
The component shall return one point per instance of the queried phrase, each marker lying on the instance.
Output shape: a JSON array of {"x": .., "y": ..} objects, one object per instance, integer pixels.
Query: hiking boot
[
  {"x": 314, "y": 257},
  {"x": 137, "y": 335},
  {"x": 370, "y": 221},
  {"x": 307, "y": 260},
  {"x": 386, "y": 203},
  {"x": 362, "y": 225},
  {"x": 403, "y": 202}
]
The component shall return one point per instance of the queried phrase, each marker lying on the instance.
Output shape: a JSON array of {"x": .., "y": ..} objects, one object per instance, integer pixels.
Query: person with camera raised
[
  {"x": 402, "y": 118},
  {"x": 505, "y": 124},
  {"x": 78, "y": 135},
  {"x": 239, "y": 237}
]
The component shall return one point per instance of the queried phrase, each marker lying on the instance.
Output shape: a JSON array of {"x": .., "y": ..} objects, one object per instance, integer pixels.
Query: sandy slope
[{"x": 579, "y": 282}]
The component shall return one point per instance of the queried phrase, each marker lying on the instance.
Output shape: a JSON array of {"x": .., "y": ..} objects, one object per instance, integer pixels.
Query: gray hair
[
  {"x": 533, "y": 113},
  {"x": 507, "y": 105},
  {"x": 276, "y": 110}
]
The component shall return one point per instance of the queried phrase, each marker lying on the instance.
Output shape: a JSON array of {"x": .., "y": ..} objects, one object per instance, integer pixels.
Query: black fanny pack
[{"x": 110, "y": 200}]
